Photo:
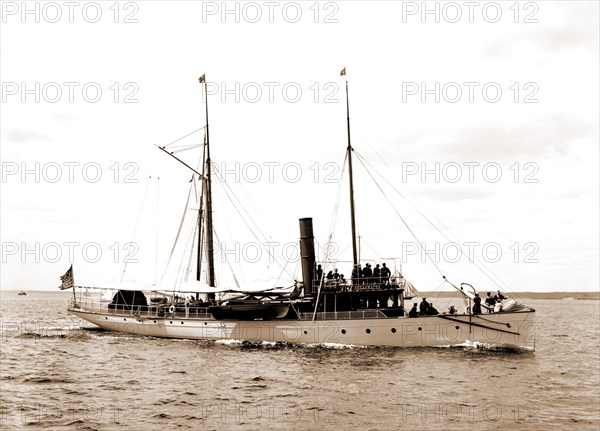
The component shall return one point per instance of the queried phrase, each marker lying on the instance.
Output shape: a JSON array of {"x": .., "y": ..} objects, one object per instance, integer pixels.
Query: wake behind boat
[{"x": 367, "y": 309}]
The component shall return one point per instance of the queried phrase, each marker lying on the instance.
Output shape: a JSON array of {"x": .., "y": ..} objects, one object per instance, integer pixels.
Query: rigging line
[
  {"x": 437, "y": 298},
  {"x": 360, "y": 159},
  {"x": 229, "y": 193},
  {"x": 197, "y": 234},
  {"x": 188, "y": 269},
  {"x": 240, "y": 268},
  {"x": 284, "y": 270},
  {"x": 374, "y": 149},
  {"x": 281, "y": 273},
  {"x": 185, "y": 209},
  {"x": 183, "y": 147},
  {"x": 327, "y": 250},
  {"x": 191, "y": 253},
  {"x": 184, "y": 136},
  {"x": 200, "y": 198},
  {"x": 336, "y": 206},
  {"x": 229, "y": 264},
  {"x": 477, "y": 261},
  {"x": 183, "y": 270},
  {"x": 274, "y": 257},
  {"x": 295, "y": 278},
  {"x": 363, "y": 240},
  {"x": 181, "y": 150},
  {"x": 137, "y": 223},
  {"x": 156, "y": 234},
  {"x": 456, "y": 240}
]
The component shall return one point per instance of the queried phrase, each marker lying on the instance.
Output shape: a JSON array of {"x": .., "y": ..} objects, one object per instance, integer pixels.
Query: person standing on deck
[
  {"x": 368, "y": 273},
  {"x": 423, "y": 307},
  {"x": 319, "y": 274},
  {"x": 490, "y": 301},
  {"x": 476, "y": 304},
  {"x": 377, "y": 274},
  {"x": 413, "y": 311},
  {"x": 356, "y": 274},
  {"x": 385, "y": 273}
]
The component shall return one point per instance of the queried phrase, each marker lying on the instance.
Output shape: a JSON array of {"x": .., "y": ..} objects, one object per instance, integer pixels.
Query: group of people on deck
[
  {"x": 425, "y": 309},
  {"x": 490, "y": 301},
  {"x": 359, "y": 275},
  {"x": 334, "y": 275},
  {"x": 371, "y": 275}
]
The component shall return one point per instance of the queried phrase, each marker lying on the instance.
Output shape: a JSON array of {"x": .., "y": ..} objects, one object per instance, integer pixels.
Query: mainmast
[
  {"x": 349, "y": 154},
  {"x": 209, "y": 221}
]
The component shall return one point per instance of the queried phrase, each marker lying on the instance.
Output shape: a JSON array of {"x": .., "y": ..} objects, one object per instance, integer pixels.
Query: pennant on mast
[
  {"x": 343, "y": 72},
  {"x": 202, "y": 79}
]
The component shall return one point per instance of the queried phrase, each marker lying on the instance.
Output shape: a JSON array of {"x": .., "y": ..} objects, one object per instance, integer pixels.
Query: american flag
[{"x": 67, "y": 279}]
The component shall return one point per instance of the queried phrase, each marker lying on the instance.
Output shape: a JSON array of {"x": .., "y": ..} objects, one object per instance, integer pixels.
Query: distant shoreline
[{"x": 426, "y": 294}]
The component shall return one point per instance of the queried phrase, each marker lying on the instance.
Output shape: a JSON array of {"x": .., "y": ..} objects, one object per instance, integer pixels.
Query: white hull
[{"x": 512, "y": 330}]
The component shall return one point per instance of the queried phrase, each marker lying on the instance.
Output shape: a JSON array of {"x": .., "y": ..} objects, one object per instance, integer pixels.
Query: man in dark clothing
[
  {"x": 490, "y": 301},
  {"x": 476, "y": 304},
  {"x": 413, "y": 311},
  {"x": 423, "y": 307},
  {"x": 367, "y": 273},
  {"x": 385, "y": 273},
  {"x": 319, "y": 274},
  {"x": 356, "y": 274},
  {"x": 377, "y": 274},
  {"x": 431, "y": 311}
]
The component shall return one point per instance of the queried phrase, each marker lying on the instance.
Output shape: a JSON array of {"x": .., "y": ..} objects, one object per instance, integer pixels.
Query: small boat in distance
[
  {"x": 367, "y": 309},
  {"x": 22, "y": 293}
]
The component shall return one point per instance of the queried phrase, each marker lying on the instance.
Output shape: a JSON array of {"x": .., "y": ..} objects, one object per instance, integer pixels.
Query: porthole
[
  {"x": 368, "y": 331},
  {"x": 393, "y": 330},
  {"x": 420, "y": 329},
  {"x": 457, "y": 327},
  {"x": 182, "y": 323},
  {"x": 154, "y": 321},
  {"x": 105, "y": 318},
  {"x": 171, "y": 322},
  {"x": 305, "y": 332},
  {"x": 125, "y": 319},
  {"x": 343, "y": 331}
]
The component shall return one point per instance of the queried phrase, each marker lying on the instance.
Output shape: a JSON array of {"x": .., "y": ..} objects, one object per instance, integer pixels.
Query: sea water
[{"x": 58, "y": 372}]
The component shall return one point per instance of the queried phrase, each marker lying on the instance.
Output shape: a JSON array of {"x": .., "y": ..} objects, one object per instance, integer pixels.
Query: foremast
[
  {"x": 205, "y": 176},
  {"x": 209, "y": 220},
  {"x": 349, "y": 155}
]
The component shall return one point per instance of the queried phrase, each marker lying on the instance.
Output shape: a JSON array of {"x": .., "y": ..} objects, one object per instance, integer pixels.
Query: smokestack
[{"x": 307, "y": 253}]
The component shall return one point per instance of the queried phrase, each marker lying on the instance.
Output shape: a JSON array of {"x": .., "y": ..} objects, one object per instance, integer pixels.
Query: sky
[{"x": 482, "y": 116}]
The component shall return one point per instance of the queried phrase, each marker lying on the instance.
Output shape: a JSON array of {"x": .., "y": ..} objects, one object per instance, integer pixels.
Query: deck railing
[
  {"x": 357, "y": 285},
  {"x": 339, "y": 315},
  {"x": 162, "y": 311}
]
